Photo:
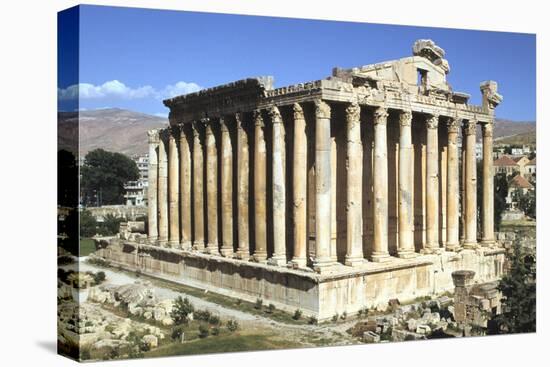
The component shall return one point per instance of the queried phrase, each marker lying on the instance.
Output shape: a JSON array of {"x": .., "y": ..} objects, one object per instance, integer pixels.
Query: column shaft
[
  {"x": 198, "y": 187},
  {"x": 354, "y": 187},
  {"x": 173, "y": 189},
  {"x": 163, "y": 191},
  {"x": 243, "y": 171},
  {"x": 406, "y": 184},
  {"x": 279, "y": 189},
  {"x": 470, "y": 201},
  {"x": 185, "y": 187},
  {"x": 226, "y": 189},
  {"x": 299, "y": 186},
  {"x": 323, "y": 185},
  {"x": 452, "y": 243},
  {"x": 487, "y": 210},
  {"x": 211, "y": 189},
  {"x": 380, "y": 186},
  {"x": 260, "y": 174},
  {"x": 432, "y": 185},
  {"x": 152, "y": 189}
]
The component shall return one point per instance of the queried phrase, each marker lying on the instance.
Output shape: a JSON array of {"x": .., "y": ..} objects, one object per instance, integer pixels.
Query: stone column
[
  {"x": 173, "y": 189},
  {"x": 198, "y": 187},
  {"x": 243, "y": 171},
  {"x": 323, "y": 186},
  {"x": 226, "y": 189},
  {"x": 354, "y": 169},
  {"x": 406, "y": 184},
  {"x": 260, "y": 174},
  {"x": 211, "y": 188},
  {"x": 152, "y": 189},
  {"x": 279, "y": 189},
  {"x": 470, "y": 201},
  {"x": 432, "y": 185},
  {"x": 185, "y": 187},
  {"x": 380, "y": 251},
  {"x": 452, "y": 243},
  {"x": 299, "y": 186},
  {"x": 163, "y": 190},
  {"x": 487, "y": 209}
]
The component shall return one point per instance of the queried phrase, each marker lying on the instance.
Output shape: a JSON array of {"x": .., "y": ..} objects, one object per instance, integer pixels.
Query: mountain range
[{"x": 125, "y": 131}]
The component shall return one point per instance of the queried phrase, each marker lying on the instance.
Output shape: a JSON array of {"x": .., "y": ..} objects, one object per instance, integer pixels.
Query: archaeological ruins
[{"x": 327, "y": 196}]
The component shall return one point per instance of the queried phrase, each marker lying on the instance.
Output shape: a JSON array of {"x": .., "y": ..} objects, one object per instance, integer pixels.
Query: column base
[
  {"x": 380, "y": 257},
  {"x": 212, "y": 249},
  {"x": 470, "y": 245},
  {"x": 406, "y": 254},
  {"x": 152, "y": 240},
  {"x": 279, "y": 260},
  {"x": 173, "y": 244},
  {"x": 227, "y": 251},
  {"x": 323, "y": 265},
  {"x": 198, "y": 245},
  {"x": 162, "y": 242},
  {"x": 242, "y": 255},
  {"x": 453, "y": 247},
  {"x": 298, "y": 262},
  {"x": 186, "y": 245},
  {"x": 354, "y": 261},
  {"x": 259, "y": 257},
  {"x": 487, "y": 243},
  {"x": 431, "y": 251}
]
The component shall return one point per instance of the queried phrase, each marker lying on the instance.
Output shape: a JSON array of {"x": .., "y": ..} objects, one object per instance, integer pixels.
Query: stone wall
[
  {"x": 128, "y": 212},
  {"x": 319, "y": 295}
]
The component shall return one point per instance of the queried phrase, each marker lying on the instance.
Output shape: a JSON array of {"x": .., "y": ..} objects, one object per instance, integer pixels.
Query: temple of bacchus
[{"x": 326, "y": 196}]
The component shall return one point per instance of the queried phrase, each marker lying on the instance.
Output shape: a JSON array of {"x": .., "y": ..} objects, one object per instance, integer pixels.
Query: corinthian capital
[
  {"x": 353, "y": 112},
  {"x": 487, "y": 129},
  {"x": 453, "y": 124},
  {"x": 405, "y": 118},
  {"x": 153, "y": 136},
  {"x": 322, "y": 109},
  {"x": 274, "y": 115},
  {"x": 432, "y": 121},
  {"x": 381, "y": 116},
  {"x": 298, "y": 111},
  {"x": 469, "y": 127},
  {"x": 258, "y": 119}
]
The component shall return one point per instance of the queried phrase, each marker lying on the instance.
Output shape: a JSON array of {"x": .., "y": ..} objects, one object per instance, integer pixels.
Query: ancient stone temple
[{"x": 327, "y": 196}]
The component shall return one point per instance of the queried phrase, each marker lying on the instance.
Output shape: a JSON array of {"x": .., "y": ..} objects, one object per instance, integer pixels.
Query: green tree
[
  {"x": 104, "y": 175},
  {"x": 519, "y": 292},
  {"x": 181, "y": 310},
  {"x": 501, "y": 191},
  {"x": 110, "y": 225},
  {"x": 88, "y": 224},
  {"x": 527, "y": 202}
]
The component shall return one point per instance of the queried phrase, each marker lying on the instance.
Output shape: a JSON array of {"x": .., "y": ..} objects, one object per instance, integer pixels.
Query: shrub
[
  {"x": 203, "y": 331},
  {"x": 297, "y": 314},
  {"x": 344, "y": 315},
  {"x": 359, "y": 313},
  {"x": 312, "y": 320},
  {"x": 181, "y": 310},
  {"x": 335, "y": 317},
  {"x": 232, "y": 325},
  {"x": 176, "y": 333},
  {"x": 99, "y": 277},
  {"x": 258, "y": 304},
  {"x": 215, "y": 331},
  {"x": 202, "y": 315},
  {"x": 65, "y": 260},
  {"x": 214, "y": 320},
  {"x": 270, "y": 308}
]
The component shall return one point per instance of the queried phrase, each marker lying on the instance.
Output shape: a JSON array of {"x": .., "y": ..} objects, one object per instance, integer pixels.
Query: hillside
[
  {"x": 112, "y": 129},
  {"x": 515, "y": 132}
]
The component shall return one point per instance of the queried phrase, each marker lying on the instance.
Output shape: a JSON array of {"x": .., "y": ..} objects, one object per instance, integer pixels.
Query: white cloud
[{"x": 117, "y": 89}]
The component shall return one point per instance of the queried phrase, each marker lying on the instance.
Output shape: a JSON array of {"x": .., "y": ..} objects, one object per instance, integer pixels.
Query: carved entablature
[
  {"x": 432, "y": 121},
  {"x": 491, "y": 98},
  {"x": 298, "y": 111},
  {"x": 153, "y": 136},
  {"x": 381, "y": 116},
  {"x": 405, "y": 118},
  {"x": 322, "y": 109},
  {"x": 453, "y": 124},
  {"x": 469, "y": 127}
]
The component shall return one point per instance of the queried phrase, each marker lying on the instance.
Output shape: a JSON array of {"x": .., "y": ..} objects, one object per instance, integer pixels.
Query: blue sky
[{"x": 133, "y": 58}]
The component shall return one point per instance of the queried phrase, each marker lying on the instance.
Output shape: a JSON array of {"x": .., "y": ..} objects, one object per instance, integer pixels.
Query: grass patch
[
  {"x": 87, "y": 246},
  {"x": 222, "y": 344}
]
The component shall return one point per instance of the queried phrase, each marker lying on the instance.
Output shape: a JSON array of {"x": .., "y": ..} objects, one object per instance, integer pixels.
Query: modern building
[{"x": 136, "y": 191}]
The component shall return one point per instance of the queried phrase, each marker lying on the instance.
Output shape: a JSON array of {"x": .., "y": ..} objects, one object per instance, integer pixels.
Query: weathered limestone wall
[{"x": 319, "y": 295}]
